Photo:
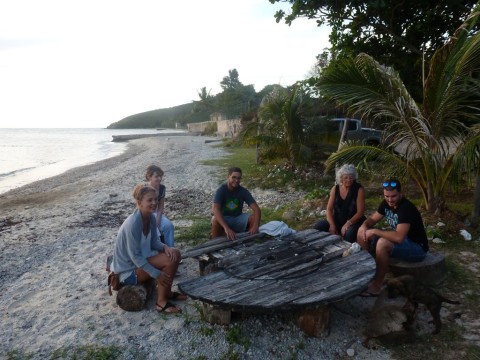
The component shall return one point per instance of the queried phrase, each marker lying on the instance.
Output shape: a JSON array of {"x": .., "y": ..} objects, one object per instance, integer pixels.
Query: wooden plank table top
[{"x": 260, "y": 273}]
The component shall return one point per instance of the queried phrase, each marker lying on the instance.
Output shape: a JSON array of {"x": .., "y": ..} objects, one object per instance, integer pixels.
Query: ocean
[{"x": 28, "y": 155}]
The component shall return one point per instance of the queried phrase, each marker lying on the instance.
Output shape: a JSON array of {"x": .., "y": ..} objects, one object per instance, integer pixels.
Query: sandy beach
[{"x": 55, "y": 235}]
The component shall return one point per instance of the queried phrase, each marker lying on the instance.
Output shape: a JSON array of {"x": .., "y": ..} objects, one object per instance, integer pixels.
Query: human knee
[
  {"x": 351, "y": 235},
  {"x": 384, "y": 246},
  {"x": 321, "y": 225},
  {"x": 216, "y": 227}
]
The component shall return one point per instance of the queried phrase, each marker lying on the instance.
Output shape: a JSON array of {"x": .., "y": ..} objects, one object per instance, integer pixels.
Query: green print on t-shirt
[{"x": 231, "y": 204}]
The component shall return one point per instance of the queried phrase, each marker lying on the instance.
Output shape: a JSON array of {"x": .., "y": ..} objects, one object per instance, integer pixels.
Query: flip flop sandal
[
  {"x": 178, "y": 296},
  {"x": 167, "y": 306}
]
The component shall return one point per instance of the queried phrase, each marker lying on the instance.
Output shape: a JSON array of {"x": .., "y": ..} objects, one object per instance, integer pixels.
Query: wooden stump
[
  {"x": 216, "y": 315},
  {"x": 315, "y": 322},
  {"x": 134, "y": 297},
  {"x": 430, "y": 271},
  {"x": 207, "y": 264}
]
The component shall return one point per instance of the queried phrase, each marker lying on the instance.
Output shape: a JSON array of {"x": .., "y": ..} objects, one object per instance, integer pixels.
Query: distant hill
[
  {"x": 232, "y": 103},
  {"x": 162, "y": 118}
]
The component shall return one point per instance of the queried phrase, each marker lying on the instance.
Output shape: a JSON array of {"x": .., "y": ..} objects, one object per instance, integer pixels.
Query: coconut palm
[{"x": 439, "y": 151}]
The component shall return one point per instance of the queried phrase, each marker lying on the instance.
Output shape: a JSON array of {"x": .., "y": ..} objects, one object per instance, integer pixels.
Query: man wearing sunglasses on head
[
  {"x": 228, "y": 217},
  {"x": 405, "y": 240}
]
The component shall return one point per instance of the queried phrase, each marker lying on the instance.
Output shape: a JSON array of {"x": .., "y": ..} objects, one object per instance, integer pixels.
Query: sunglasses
[{"x": 390, "y": 184}]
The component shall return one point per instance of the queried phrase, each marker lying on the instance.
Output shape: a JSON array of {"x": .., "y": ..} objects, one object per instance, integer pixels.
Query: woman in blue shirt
[{"x": 139, "y": 255}]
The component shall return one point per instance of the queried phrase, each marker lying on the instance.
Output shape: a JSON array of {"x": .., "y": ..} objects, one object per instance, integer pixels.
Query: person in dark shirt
[
  {"x": 406, "y": 240},
  {"x": 154, "y": 175},
  {"x": 346, "y": 205},
  {"x": 228, "y": 217}
]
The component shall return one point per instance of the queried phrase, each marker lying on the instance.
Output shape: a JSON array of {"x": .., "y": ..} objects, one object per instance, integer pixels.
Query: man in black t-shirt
[{"x": 406, "y": 240}]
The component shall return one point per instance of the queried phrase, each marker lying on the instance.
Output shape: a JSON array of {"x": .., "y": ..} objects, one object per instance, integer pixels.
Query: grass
[
  {"x": 86, "y": 352},
  {"x": 196, "y": 234},
  {"x": 235, "y": 335},
  {"x": 90, "y": 352}
]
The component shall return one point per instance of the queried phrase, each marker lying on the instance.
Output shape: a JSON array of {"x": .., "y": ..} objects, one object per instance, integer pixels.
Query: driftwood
[{"x": 134, "y": 297}]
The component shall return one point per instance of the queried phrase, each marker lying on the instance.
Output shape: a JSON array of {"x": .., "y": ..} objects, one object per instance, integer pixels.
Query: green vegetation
[
  {"x": 399, "y": 35},
  {"x": 428, "y": 142},
  {"x": 195, "y": 234},
  {"x": 461, "y": 281},
  {"x": 235, "y": 335},
  {"x": 162, "y": 118}
]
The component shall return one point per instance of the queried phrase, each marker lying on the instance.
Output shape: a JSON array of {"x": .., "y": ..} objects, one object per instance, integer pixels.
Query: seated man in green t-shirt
[{"x": 228, "y": 217}]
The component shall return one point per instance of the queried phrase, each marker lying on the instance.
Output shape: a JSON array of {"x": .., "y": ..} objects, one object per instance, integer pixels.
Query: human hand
[
  {"x": 231, "y": 235},
  {"x": 332, "y": 230},
  {"x": 170, "y": 252},
  {"x": 253, "y": 230}
]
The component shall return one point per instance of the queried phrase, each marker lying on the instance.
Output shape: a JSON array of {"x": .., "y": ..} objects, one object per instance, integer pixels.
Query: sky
[{"x": 87, "y": 64}]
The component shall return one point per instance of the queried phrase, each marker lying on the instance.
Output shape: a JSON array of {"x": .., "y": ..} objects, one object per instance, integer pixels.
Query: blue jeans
[
  {"x": 167, "y": 229},
  {"x": 131, "y": 279},
  {"x": 409, "y": 251},
  {"x": 238, "y": 223}
]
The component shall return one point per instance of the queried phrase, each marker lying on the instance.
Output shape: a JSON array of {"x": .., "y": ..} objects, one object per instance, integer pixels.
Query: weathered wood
[
  {"x": 215, "y": 315},
  {"x": 333, "y": 281},
  {"x": 304, "y": 272},
  {"x": 431, "y": 271},
  {"x": 207, "y": 264},
  {"x": 134, "y": 297},
  {"x": 219, "y": 244},
  {"x": 314, "y": 322}
]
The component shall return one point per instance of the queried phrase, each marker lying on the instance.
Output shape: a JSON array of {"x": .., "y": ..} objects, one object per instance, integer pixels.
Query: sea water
[{"x": 28, "y": 155}]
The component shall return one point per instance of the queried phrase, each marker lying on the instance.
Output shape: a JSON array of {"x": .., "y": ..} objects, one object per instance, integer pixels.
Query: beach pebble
[
  {"x": 350, "y": 352},
  {"x": 440, "y": 224},
  {"x": 466, "y": 235}
]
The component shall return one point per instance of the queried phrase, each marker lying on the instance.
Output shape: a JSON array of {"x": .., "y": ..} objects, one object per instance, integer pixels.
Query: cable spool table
[{"x": 303, "y": 272}]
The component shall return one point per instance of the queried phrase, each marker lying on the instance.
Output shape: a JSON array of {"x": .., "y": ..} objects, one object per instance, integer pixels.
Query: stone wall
[{"x": 225, "y": 128}]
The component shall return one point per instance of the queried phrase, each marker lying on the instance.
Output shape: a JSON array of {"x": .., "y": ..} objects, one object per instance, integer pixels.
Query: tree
[
  {"x": 278, "y": 127},
  {"x": 440, "y": 151},
  {"x": 206, "y": 102},
  {"x": 231, "y": 81},
  {"x": 397, "y": 34}
]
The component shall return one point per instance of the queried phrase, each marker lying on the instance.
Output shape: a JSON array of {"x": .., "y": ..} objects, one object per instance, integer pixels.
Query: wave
[{"x": 16, "y": 171}]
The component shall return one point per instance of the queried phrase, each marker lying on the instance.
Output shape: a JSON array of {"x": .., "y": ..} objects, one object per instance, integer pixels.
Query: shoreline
[{"x": 56, "y": 233}]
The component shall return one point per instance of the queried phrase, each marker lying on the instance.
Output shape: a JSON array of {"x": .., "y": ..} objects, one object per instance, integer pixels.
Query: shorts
[
  {"x": 129, "y": 278},
  {"x": 409, "y": 251},
  {"x": 237, "y": 223}
]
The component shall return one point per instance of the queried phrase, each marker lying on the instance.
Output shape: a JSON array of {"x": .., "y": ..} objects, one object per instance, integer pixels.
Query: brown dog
[{"x": 415, "y": 292}]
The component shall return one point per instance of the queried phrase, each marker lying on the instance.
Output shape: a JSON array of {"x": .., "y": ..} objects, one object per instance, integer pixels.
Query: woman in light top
[
  {"x": 154, "y": 175},
  {"x": 139, "y": 255},
  {"x": 346, "y": 205}
]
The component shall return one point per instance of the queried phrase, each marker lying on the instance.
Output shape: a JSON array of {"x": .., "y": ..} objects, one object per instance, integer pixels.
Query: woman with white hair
[{"x": 346, "y": 205}]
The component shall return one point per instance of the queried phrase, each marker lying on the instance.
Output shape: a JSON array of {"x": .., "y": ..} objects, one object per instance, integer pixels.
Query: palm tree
[
  {"x": 278, "y": 126},
  {"x": 440, "y": 151},
  {"x": 206, "y": 101}
]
